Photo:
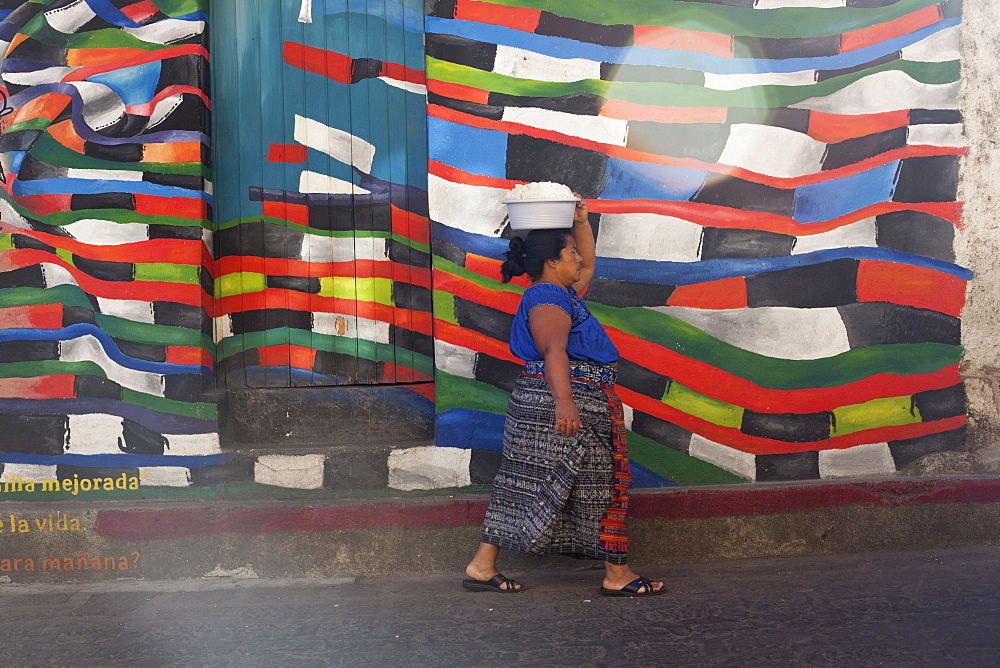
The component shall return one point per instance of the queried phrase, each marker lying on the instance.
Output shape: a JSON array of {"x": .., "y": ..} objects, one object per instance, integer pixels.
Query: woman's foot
[
  {"x": 623, "y": 581},
  {"x": 483, "y": 570}
]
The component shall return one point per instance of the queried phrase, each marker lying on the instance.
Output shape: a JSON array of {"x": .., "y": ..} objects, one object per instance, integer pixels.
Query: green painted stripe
[
  {"x": 677, "y": 466},
  {"x": 181, "y": 7},
  {"x": 200, "y": 410},
  {"x": 37, "y": 123},
  {"x": 458, "y": 392},
  {"x": 783, "y": 22},
  {"x": 50, "y": 151},
  {"x": 711, "y": 410},
  {"x": 679, "y": 95},
  {"x": 887, "y": 412},
  {"x": 50, "y": 368},
  {"x": 164, "y": 272},
  {"x": 769, "y": 372},
  {"x": 370, "y": 350},
  {"x": 444, "y": 306}
]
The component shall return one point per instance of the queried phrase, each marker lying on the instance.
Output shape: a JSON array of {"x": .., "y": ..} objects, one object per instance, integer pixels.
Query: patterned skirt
[{"x": 558, "y": 494}]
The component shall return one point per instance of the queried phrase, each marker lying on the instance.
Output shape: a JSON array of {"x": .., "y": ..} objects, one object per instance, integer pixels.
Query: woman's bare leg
[
  {"x": 617, "y": 576},
  {"x": 484, "y": 564}
]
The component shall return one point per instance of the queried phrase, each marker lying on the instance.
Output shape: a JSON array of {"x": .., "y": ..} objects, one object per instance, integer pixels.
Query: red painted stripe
[
  {"x": 36, "y": 316},
  {"x": 725, "y": 293},
  {"x": 904, "y": 284},
  {"x": 231, "y": 264},
  {"x": 193, "y": 208},
  {"x": 298, "y": 357},
  {"x": 403, "y": 514},
  {"x": 330, "y": 64},
  {"x": 293, "y": 213},
  {"x": 147, "y": 291},
  {"x": 411, "y": 225},
  {"x": 402, "y": 73},
  {"x": 457, "y": 91},
  {"x": 680, "y": 39},
  {"x": 490, "y": 268},
  {"x": 400, "y": 373},
  {"x": 518, "y": 18},
  {"x": 296, "y": 153},
  {"x": 700, "y": 376},
  {"x": 144, "y": 57},
  {"x": 711, "y": 215},
  {"x": 456, "y": 175},
  {"x": 146, "y": 108},
  {"x": 467, "y": 338},
  {"x": 41, "y": 205},
  {"x": 172, "y": 251},
  {"x": 59, "y": 386},
  {"x": 189, "y": 355},
  {"x": 904, "y": 25},
  {"x": 423, "y": 389},
  {"x": 420, "y": 321},
  {"x": 140, "y": 11},
  {"x": 833, "y": 128},
  {"x": 632, "y": 111}
]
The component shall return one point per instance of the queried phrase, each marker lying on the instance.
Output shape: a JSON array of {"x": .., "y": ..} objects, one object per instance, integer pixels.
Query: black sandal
[
  {"x": 498, "y": 583},
  {"x": 633, "y": 587}
]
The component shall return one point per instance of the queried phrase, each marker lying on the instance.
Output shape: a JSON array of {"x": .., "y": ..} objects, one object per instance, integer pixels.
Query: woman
[{"x": 563, "y": 485}]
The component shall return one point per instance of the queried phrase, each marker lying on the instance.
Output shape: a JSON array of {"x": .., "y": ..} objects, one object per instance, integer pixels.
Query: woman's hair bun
[{"x": 514, "y": 265}]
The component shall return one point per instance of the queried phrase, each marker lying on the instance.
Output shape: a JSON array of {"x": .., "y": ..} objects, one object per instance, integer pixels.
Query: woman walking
[{"x": 562, "y": 487}]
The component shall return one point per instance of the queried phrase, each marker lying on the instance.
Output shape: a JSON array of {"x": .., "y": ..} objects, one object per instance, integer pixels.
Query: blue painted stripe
[
  {"x": 560, "y": 47},
  {"x": 409, "y": 19},
  {"x": 117, "y": 461},
  {"x": 101, "y": 186},
  {"x": 643, "y": 477},
  {"x": 686, "y": 273},
  {"x": 109, "y": 345},
  {"x": 468, "y": 148},
  {"x": 643, "y": 180},
  {"x": 163, "y": 423},
  {"x": 467, "y": 428},
  {"x": 828, "y": 200}
]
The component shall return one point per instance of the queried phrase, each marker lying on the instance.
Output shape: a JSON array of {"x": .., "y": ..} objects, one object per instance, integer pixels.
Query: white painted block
[
  {"x": 126, "y": 308},
  {"x": 70, "y": 18},
  {"x": 523, "y": 64},
  {"x": 338, "y": 144},
  {"x": 885, "y": 91},
  {"x": 611, "y": 131},
  {"x": 774, "y": 331},
  {"x": 456, "y": 360},
  {"x": 34, "y": 472},
  {"x": 192, "y": 445},
  {"x": 936, "y": 134},
  {"x": 474, "y": 209},
  {"x": 943, "y": 46},
  {"x": 312, "y": 182},
  {"x": 167, "y": 31},
  {"x": 164, "y": 476},
  {"x": 296, "y": 471},
  {"x": 773, "y": 151},
  {"x": 106, "y": 232},
  {"x": 94, "y": 434},
  {"x": 429, "y": 467},
  {"x": 648, "y": 236},
  {"x": 861, "y": 460},
  {"x": 862, "y": 234},
  {"x": 735, "y": 461}
]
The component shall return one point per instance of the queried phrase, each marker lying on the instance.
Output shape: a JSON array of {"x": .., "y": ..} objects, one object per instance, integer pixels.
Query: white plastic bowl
[{"x": 541, "y": 214}]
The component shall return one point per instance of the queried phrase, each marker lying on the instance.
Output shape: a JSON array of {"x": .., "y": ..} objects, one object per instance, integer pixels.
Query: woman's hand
[
  {"x": 567, "y": 418},
  {"x": 580, "y": 213}
]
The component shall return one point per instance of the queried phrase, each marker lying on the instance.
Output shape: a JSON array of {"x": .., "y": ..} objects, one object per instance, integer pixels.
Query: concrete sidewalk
[{"x": 937, "y": 607}]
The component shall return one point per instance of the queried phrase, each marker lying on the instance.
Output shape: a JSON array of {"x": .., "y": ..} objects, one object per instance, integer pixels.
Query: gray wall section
[{"x": 978, "y": 244}]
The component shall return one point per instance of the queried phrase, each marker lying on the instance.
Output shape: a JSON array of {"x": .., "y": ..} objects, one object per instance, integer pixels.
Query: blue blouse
[{"x": 588, "y": 341}]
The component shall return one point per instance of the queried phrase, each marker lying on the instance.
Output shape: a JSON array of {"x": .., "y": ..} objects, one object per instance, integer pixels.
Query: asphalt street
[{"x": 937, "y": 608}]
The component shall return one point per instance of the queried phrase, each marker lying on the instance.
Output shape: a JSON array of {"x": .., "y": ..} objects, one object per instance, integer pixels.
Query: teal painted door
[{"x": 322, "y": 267}]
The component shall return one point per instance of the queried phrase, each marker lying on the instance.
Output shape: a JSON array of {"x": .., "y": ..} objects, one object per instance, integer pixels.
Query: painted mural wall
[
  {"x": 323, "y": 256},
  {"x": 773, "y": 187},
  {"x": 105, "y": 268}
]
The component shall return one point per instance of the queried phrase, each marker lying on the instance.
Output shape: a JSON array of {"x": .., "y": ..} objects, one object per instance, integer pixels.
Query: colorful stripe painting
[
  {"x": 773, "y": 186},
  {"x": 105, "y": 288},
  {"x": 323, "y": 257}
]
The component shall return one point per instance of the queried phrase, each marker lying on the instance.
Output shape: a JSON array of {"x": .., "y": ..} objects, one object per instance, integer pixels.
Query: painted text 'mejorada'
[{"x": 74, "y": 485}]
